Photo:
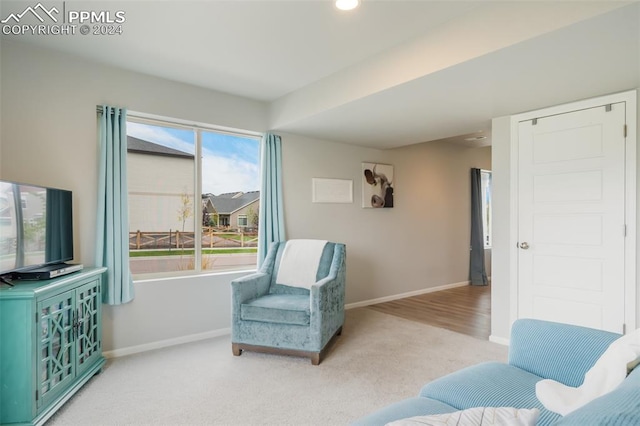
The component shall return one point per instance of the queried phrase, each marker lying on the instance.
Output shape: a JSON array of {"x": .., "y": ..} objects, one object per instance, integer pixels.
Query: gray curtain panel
[{"x": 477, "y": 271}]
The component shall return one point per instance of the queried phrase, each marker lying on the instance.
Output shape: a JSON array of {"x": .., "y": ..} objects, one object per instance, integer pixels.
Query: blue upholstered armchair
[{"x": 295, "y": 304}]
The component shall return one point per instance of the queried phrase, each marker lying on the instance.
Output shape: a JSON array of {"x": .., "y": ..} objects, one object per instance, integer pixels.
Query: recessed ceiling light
[
  {"x": 347, "y": 4},
  {"x": 475, "y": 138}
]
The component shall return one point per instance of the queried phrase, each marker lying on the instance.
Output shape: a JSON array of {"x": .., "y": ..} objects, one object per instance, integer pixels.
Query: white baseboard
[
  {"x": 499, "y": 340},
  {"x": 165, "y": 343},
  {"x": 403, "y": 295}
]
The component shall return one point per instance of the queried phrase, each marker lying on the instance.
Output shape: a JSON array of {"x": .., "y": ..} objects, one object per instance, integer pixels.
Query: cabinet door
[
  {"x": 89, "y": 339},
  {"x": 56, "y": 350}
]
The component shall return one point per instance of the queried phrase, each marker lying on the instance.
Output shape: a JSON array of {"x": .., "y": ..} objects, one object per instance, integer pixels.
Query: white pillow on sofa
[{"x": 478, "y": 416}]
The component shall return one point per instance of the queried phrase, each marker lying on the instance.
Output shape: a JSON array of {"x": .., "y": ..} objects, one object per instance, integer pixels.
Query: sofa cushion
[
  {"x": 406, "y": 408},
  {"x": 490, "y": 384},
  {"x": 560, "y": 352},
  {"x": 278, "y": 308},
  {"x": 607, "y": 374},
  {"x": 478, "y": 416},
  {"x": 621, "y": 407}
]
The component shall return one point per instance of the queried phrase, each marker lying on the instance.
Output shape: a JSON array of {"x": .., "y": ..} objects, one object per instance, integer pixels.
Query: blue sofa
[{"x": 538, "y": 350}]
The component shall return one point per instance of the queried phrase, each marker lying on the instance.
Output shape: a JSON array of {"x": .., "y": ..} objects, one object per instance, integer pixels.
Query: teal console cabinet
[{"x": 50, "y": 343}]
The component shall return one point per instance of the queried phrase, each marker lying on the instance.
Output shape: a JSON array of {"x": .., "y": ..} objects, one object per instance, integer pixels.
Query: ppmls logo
[
  {"x": 40, "y": 20},
  {"x": 38, "y": 11}
]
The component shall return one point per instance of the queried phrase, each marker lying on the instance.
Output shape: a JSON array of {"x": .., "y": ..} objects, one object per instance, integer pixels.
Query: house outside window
[
  {"x": 176, "y": 226},
  {"x": 485, "y": 182},
  {"x": 242, "y": 221}
]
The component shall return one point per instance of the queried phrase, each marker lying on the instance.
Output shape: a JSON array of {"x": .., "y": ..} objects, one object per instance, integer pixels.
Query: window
[
  {"x": 185, "y": 184},
  {"x": 485, "y": 182}
]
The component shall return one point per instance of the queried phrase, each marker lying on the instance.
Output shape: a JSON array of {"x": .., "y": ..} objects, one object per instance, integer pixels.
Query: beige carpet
[{"x": 379, "y": 359}]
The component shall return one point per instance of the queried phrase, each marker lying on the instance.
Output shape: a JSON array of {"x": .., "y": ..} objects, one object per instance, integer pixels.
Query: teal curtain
[
  {"x": 112, "y": 241},
  {"x": 271, "y": 228}
]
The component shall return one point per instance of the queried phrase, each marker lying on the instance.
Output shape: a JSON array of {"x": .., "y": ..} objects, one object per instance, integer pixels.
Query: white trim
[
  {"x": 197, "y": 128},
  {"x": 166, "y": 343},
  {"x": 631, "y": 291},
  {"x": 197, "y": 185},
  {"x": 499, "y": 340},
  {"x": 154, "y": 277},
  {"x": 159, "y": 120},
  {"x": 630, "y": 98},
  {"x": 514, "y": 223},
  {"x": 403, "y": 295}
]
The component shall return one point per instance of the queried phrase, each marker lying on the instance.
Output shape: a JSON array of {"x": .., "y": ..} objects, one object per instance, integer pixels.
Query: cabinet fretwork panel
[{"x": 51, "y": 343}]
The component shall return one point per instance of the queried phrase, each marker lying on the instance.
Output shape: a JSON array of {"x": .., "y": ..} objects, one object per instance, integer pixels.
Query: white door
[{"x": 571, "y": 228}]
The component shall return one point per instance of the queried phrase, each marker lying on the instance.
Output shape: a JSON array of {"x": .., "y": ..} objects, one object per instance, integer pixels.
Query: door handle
[{"x": 524, "y": 246}]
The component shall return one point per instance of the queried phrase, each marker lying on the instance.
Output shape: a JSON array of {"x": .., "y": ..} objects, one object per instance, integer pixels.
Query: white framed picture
[
  {"x": 325, "y": 190},
  {"x": 377, "y": 185}
]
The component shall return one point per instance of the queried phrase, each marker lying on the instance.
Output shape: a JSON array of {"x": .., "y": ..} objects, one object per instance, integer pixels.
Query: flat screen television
[{"x": 36, "y": 227}]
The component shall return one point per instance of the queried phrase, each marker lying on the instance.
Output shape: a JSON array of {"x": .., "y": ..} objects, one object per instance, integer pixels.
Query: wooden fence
[{"x": 211, "y": 238}]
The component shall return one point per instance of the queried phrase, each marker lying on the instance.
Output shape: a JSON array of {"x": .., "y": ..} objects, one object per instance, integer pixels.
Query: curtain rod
[{"x": 100, "y": 109}]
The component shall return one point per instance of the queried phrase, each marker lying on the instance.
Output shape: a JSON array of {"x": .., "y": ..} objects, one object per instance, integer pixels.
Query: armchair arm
[
  {"x": 254, "y": 285},
  {"x": 246, "y": 288},
  {"x": 332, "y": 283},
  {"x": 250, "y": 287},
  {"x": 327, "y": 297},
  {"x": 561, "y": 352}
]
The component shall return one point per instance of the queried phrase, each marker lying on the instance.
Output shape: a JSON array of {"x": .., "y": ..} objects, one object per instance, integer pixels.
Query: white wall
[
  {"x": 501, "y": 297},
  {"x": 422, "y": 242}
]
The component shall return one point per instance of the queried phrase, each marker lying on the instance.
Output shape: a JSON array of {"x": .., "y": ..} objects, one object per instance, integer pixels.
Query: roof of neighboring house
[
  {"x": 140, "y": 146},
  {"x": 206, "y": 202},
  {"x": 233, "y": 201}
]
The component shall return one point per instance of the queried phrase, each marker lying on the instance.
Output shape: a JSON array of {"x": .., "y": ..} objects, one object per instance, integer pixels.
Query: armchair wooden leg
[
  {"x": 315, "y": 359},
  {"x": 235, "y": 348}
]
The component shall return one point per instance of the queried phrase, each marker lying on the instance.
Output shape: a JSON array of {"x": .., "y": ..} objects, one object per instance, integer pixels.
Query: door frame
[{"x": 630, "y": 274}]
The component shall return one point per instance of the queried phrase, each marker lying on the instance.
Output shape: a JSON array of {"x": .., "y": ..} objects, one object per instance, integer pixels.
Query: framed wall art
[
  {"x": 377, "y": 185},
  {"x": 331, "y": 190}
]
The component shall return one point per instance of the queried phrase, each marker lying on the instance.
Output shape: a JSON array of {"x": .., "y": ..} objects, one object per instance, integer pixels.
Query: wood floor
[{"x": 465, "y": 310}]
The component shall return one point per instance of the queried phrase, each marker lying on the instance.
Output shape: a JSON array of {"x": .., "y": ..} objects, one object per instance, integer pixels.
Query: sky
[{"x": 229, "y": 163}]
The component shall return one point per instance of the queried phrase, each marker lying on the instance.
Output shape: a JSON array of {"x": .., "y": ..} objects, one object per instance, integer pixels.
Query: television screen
[{"x": 36, "y": 226}]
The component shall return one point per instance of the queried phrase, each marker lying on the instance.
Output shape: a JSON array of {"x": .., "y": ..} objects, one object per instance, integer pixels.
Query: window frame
[
  {"x": 246, "y": 220},
  {"x": 198, "y": 128},
  {"x": 487, "y": 205}
]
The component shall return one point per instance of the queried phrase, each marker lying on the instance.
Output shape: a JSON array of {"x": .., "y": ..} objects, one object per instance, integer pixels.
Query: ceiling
[{"x": 388, "y": 74}]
